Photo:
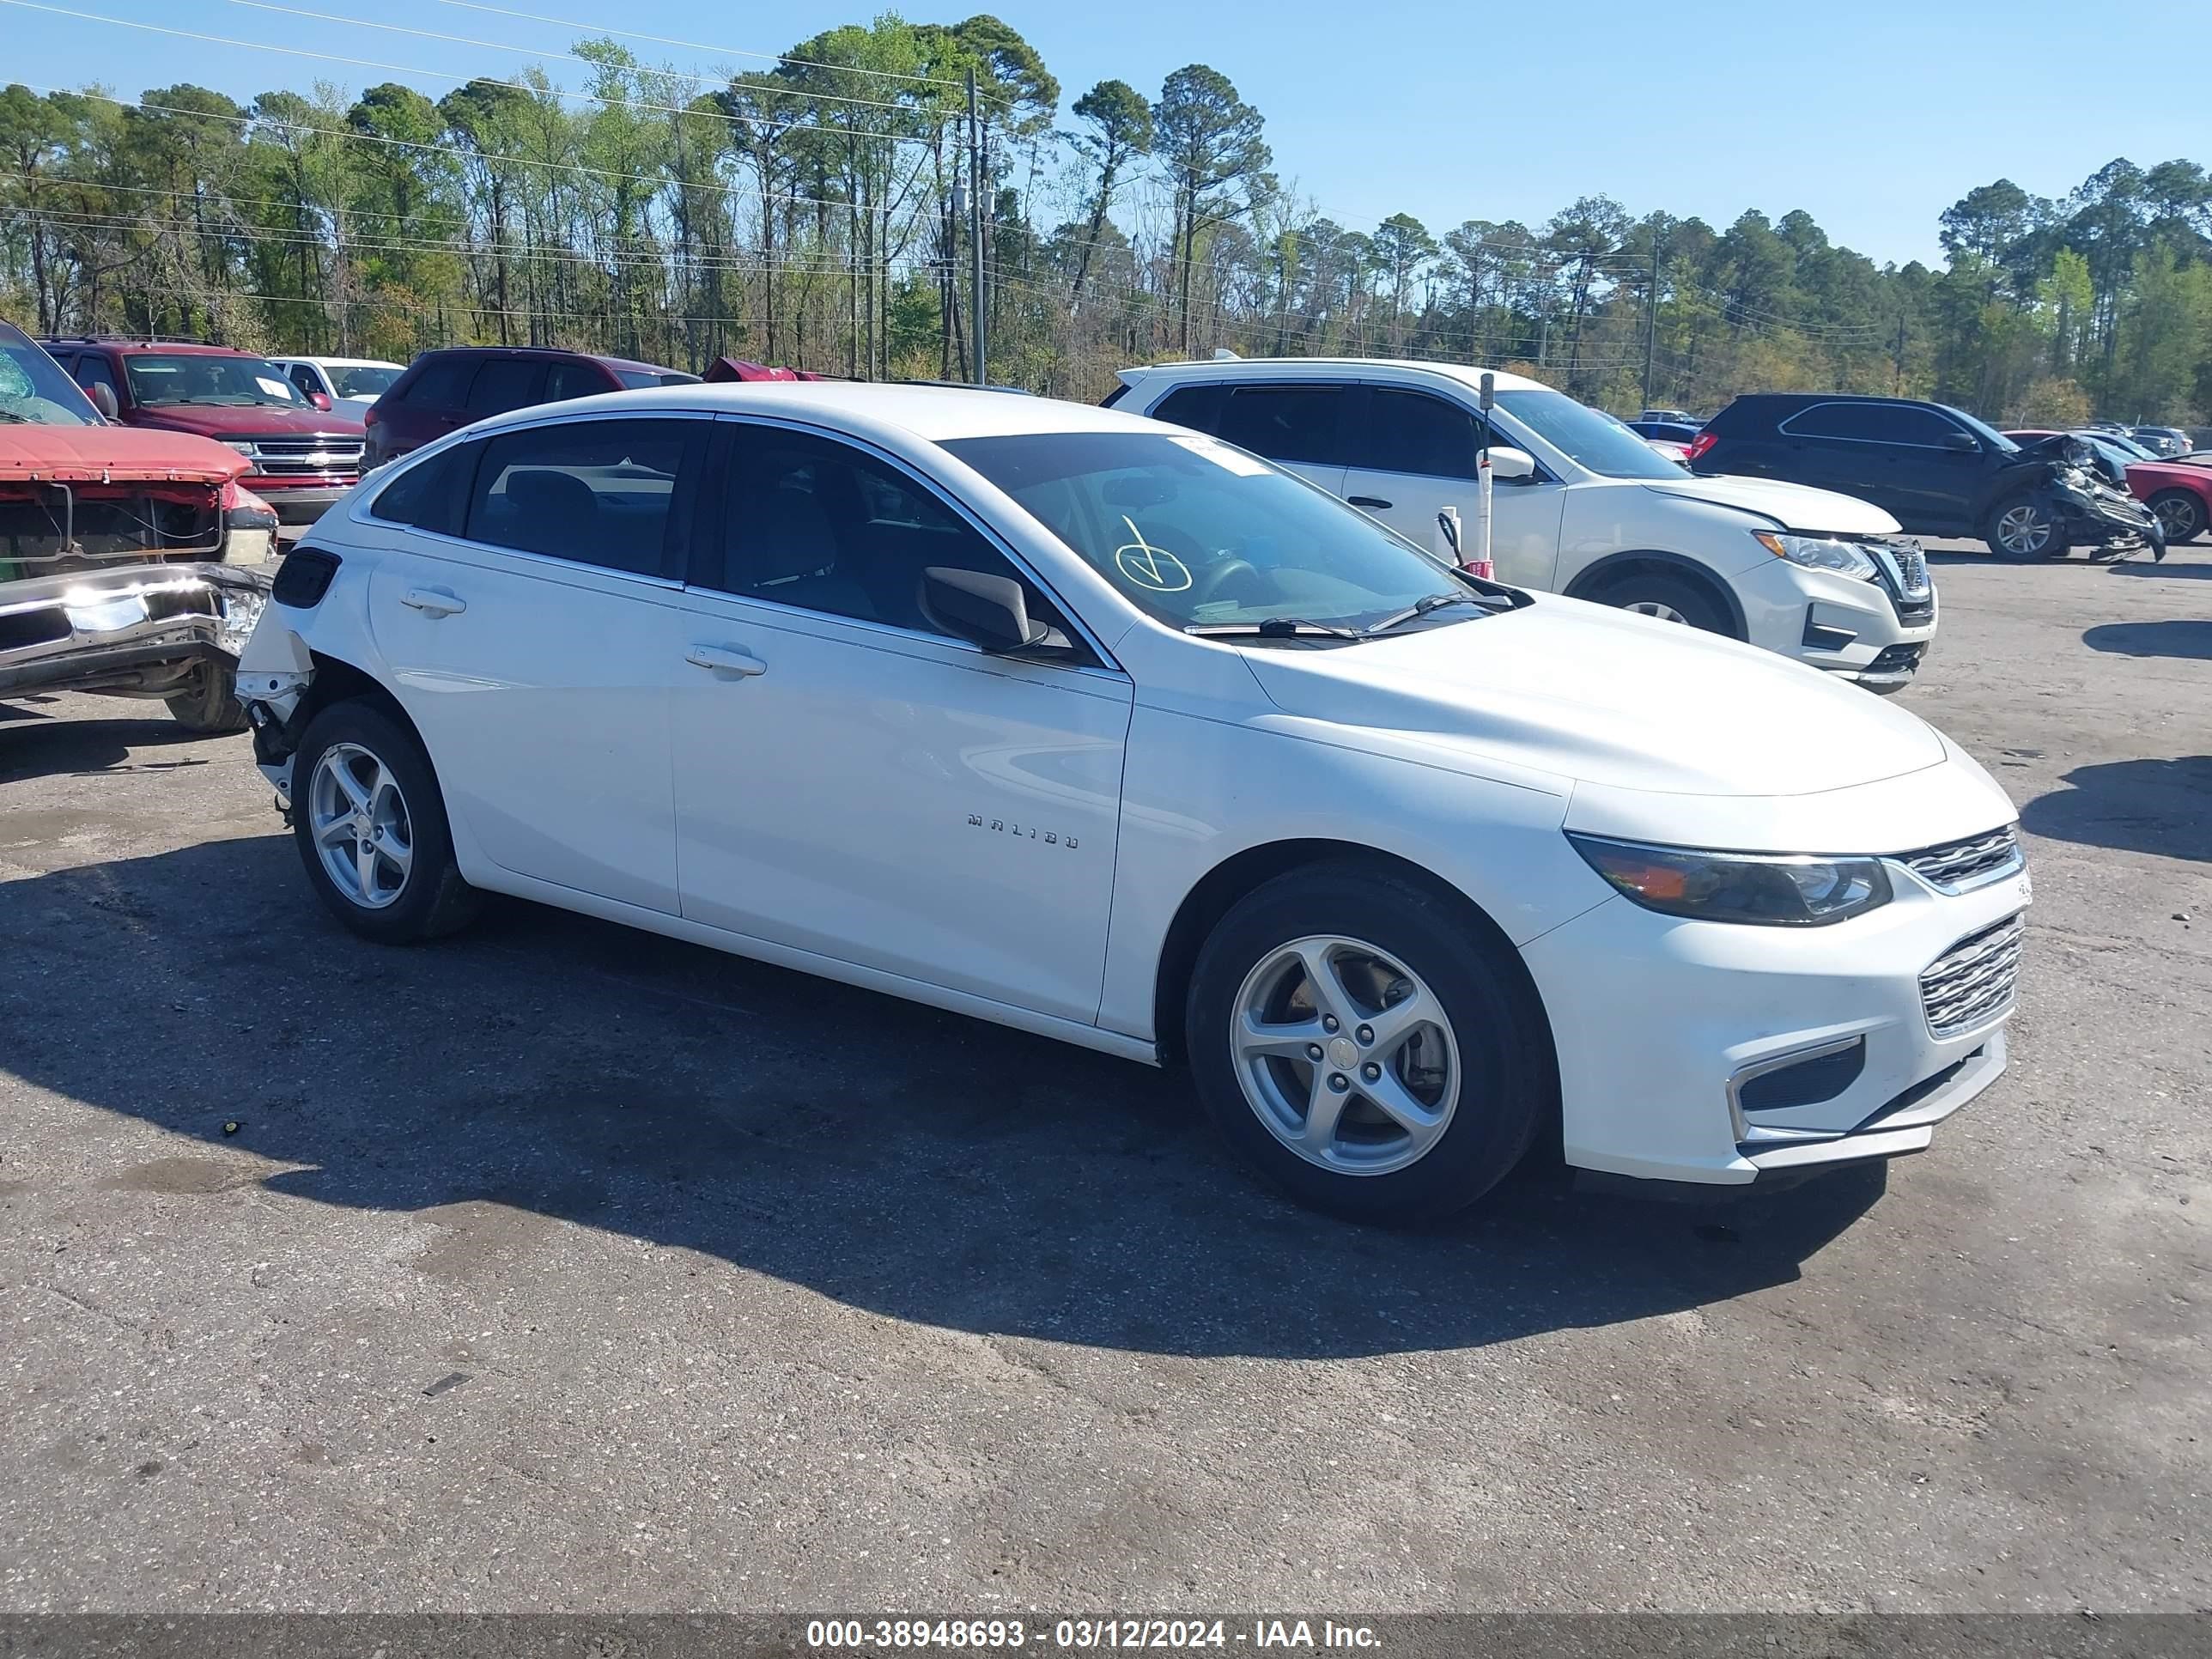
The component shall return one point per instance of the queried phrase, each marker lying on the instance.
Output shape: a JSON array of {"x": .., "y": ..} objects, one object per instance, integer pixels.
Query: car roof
[
  {"x": 542, "y": 351},
  {"x": 338, "y": 362},
  {"x": 167, "y": 347},
  {"x": 933, "y": 414},
  {"x": 1349, "y": 368}
]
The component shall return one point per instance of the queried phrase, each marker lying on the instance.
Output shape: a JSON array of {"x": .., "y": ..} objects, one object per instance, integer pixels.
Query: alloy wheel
[
  {"x": 1345, "y": 1055},
  {"x": 2025, "y": 530},
  {"x": 2179, "y": 517},
  {"x": 359, "y": 820},
  {"x": 1656, "y": 608}
]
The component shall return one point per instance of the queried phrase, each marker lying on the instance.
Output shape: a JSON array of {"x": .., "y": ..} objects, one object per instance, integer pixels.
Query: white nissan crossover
[{"x": 1107, "y": 730}]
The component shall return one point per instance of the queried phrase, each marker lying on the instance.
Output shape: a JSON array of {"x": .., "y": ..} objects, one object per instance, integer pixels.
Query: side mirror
[
  {"x": 103, "y": 399},
  {"x": 321, "y": 400},
  {"x": 984, "y": 610},
  {"x": 1512, "y": 466},
  {"x": 1964, "y": 443}
]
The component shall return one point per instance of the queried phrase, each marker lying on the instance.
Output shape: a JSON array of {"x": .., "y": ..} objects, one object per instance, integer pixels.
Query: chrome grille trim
[
  {"x": 1971, "y": 985},
  {"x": 1960, "y": 866}
]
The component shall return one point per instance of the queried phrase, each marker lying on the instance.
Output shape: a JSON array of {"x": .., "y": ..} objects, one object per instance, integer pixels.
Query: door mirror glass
[
  {"x": 984, "y": 610},
  {"x": 1510, "y": 465},
  {"x": 103, "y": 399}
]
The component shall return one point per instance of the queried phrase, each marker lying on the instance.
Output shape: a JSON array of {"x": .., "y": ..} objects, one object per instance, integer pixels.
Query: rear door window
[
  {"x": 505, "y": 383},
  {"x": 443, "y": 384},
  {"x": 92, "y": 369},
  {"x": 602, "y": 493},
  {"x": 574, "y": 379},
  {"x": 1870, "y": 423},
  {"x": 304, "y": 377},
  {"x": 1198, "y": 407},
  {"x": 1288, "y": 423}
]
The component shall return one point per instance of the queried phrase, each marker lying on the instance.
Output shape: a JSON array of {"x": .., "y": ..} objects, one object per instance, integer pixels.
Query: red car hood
[
  {"x": 251, "y": 421},
  {"x": 2144, "y": 476},
  {"x": 90, "y": 454}
]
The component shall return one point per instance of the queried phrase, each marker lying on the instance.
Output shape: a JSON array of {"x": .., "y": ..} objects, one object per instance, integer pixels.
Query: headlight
[
  {"x": 242, "y": 445},
  {"x": 1819, "y": 553},
  {"x": 1767, "y": 890}
]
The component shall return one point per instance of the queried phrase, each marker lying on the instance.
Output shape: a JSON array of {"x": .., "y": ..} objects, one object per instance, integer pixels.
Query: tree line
[{"x": 812, "y": 214}]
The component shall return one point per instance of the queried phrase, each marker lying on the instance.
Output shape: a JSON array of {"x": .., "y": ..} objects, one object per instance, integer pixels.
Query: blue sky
[{"x": 1872, "y": 115}]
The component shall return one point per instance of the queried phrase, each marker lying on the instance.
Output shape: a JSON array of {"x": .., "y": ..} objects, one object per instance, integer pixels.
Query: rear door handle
[
  {"x": 1368, "y": 500},
  {"x": 725, "y": 659},
  {"x": 433, "y": 601}
]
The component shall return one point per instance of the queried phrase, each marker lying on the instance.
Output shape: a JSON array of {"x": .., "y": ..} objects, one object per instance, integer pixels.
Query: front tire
[
  {"x": 2025, "y": 531},
  {"x": 1358, "y": 1040},
  {"x": 370, "y": 825},
  {"x": 209, "y": 702},
  {"x": 1669, "y": 598},
  {"x": 2181, "y": 514}
]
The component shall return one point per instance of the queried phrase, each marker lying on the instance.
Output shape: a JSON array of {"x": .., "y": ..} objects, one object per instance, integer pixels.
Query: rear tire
[
  {"x": 2026, "y": 533},
  {"x": 208, "y": 702},
  {"x": 1422, "y": 1115},
  {"x": 1668, "y": 597},
  {"x": 2182, "y": 514},
  {"x": 370, "y": 825}
]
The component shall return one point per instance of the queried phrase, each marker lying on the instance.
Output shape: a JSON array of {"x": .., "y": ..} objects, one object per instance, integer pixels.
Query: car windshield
[
  {"x": 362, "y": 381},
  {"x": 2127, "y": 447},
  {"x": 236, "y": 381},
  {"x": 1196, "y": 533},
  {"x": 1597, "y": 441},
  {"x": 33, "y": 391},
  {"x": 1991, "y": 437},
  {"x": 640, "y": 379}
]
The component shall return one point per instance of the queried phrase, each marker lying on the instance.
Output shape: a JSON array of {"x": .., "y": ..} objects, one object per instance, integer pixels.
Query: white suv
[
  {"x": 1592, "y": 510},
  {"x": 1115, "y": 733}
]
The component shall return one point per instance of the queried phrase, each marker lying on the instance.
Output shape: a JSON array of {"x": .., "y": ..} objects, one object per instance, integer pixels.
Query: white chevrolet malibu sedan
[{"x": 1109, "y": 730}]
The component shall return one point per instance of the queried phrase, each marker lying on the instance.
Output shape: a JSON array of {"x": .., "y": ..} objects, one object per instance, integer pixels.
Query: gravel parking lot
[{"x": 560, "y": 1266}]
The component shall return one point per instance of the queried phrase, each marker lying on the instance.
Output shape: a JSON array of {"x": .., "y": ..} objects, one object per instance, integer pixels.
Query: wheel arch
[
  {"x": 1221, "y": 888},
  {"x": 1594, "y": 579}
]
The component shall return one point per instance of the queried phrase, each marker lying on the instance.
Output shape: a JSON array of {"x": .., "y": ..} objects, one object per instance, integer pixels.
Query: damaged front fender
[{"x": 274, "y": 673}]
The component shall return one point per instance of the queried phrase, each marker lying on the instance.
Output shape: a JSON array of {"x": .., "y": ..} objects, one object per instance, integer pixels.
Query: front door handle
[
  {"x": 1375, "y": 502},
  {"x": 433, "y": 601},
  {"x": 725, "y": 659}
]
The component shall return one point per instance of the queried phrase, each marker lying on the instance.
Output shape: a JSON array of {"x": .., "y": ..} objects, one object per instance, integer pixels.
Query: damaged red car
[{"x": 132, "y": 562}]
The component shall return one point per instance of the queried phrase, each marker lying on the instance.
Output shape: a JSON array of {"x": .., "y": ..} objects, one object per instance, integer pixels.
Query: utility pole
[
  {"x": 1651, "y": 321},
  {"x": 1897, "y": 384},
  {"x": 976, "y": 228}
]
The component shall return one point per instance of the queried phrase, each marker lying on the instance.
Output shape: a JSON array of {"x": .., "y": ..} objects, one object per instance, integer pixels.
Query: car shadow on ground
[
  {"x": 912, "y": 1164},
  {"x": 2178, "y": 638},
  {"x": 2138, "y": 805},
  {"x": 2199, "y": 571},
  {"x": 33, "y": 745}
]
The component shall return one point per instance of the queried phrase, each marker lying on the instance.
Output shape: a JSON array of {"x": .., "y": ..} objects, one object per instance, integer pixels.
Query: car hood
[
  {"x": 1791, "y": 505},
  {"x": 79, "y": 454},
  {"x": 2160, "y": 473},
  {"x": 251, "y": 421},
  {"x": 1603, "y": 696}
]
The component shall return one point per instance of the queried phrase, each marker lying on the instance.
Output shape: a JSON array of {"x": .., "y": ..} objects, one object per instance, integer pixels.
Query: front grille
[
  {"x": 277, "y": 457},
  {"x": 1903, "y": 570},
  {"x": 1960, "y": 866},
  {"x": 1971, "y": 985}
]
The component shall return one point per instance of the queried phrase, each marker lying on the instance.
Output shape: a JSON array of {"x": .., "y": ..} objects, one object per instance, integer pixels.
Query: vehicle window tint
[
  {"x": 92, "y": 370},
  {"x": 1877, "y": 423},
  {"x": 304, "y": 378},
  {"x": 1413, "y": 432},
  {"x": 598, "y": 492},
  {"x": 816, "y": 523},
  {"x": 1287, "y": 422},
  {"x": 1198, "y": 407},
  {"x": 643, "y": 379},
  {"x": 429, "y": 494},
  {"x": 505, "y": 383},
  {"x": 575, "y": 379},
  {"x": 442, "y": 384}
]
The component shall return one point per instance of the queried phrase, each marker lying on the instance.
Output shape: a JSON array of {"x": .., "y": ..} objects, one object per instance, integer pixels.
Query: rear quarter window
[
  {"x": 443, "y": 383},
  {"x": 429, "y": 494}
]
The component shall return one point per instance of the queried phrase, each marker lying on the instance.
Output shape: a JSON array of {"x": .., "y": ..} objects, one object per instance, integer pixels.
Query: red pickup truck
[
  {"x": 301, "y": 458},
  {"x": 131, "y": 563}
]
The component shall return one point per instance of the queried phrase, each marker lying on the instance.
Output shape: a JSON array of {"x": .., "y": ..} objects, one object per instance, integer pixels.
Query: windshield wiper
[
  {"x": 1422, "y": 606},
  {"x": 1273, "y": 628}
]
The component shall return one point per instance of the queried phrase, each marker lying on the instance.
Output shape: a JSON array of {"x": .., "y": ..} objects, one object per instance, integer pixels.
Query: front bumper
[
  {"x": 296, "y": 503},
  {"x": 1664, "y": 1026},
  {"x": 138, "y": 628},
  {"x": 1836, "y": 622}
]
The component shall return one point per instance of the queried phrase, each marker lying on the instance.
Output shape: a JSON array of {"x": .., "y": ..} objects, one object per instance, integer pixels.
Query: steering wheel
[{"x": 1217, "y": 576}]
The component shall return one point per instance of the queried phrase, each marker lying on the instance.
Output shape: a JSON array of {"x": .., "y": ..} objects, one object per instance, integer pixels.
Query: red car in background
[
  {"x": 447, "y": 389},
  {"x": 2179, "y": 492},
  {"x": 299, "y": 459}
]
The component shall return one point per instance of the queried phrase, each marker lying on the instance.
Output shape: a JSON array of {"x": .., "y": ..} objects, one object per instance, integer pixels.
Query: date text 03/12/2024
[{"x": 881, "y": 1635}]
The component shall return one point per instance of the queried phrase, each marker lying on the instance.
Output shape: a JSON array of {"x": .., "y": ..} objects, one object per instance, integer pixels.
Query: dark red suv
[
  {"x": 448, "y": 388},
  {"x": 299, "y": 459}
]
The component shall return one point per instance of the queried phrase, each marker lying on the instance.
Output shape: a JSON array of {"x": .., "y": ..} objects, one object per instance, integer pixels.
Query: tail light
[
  {"x": 368, "y": 416},
  {"x": 1699, "y": 445}
]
